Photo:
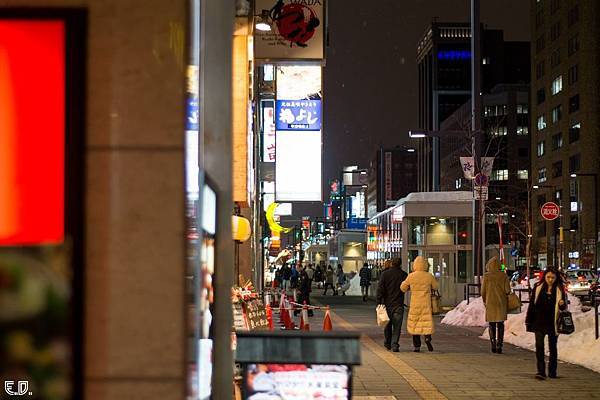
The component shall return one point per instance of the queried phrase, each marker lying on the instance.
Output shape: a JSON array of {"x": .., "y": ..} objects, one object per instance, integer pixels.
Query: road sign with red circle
[{"x": 550, "y": 211}]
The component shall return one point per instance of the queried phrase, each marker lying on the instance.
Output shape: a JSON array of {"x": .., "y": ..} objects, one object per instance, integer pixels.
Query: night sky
[{"x": 370, "y": 80}]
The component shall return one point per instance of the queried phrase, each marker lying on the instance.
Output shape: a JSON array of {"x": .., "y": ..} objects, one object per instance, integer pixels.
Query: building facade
[
  {"x": 506, "y": 137},
  {"x": 565, "y": 135},
  {"x": 444, "y": 63},
  {"x": 392, "y": 176}
]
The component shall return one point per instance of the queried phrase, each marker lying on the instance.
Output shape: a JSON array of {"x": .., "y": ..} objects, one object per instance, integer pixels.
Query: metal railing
[
  {"x": 469, "y": 293},
  {"x": 596, "y": 304},
  {"x": 520, "y": 293}
]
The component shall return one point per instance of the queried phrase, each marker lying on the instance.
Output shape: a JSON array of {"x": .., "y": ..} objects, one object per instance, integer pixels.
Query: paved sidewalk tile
[{"x": 461, "y": 366}]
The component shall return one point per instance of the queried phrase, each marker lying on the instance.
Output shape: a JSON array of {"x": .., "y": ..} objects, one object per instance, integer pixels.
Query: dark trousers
[
  {"x": 329, "y": 285},
  {"x": 392, "y": 329},
  {"x": 539, "y": 353},
  {"x": 417, "y": 340},
  {"x": 497, "y": 331}
]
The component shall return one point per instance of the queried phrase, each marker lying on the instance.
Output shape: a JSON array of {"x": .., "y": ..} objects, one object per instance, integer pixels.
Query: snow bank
[
  {"x": 579, "y": 348},
  {"x": 472, "y": 314}
]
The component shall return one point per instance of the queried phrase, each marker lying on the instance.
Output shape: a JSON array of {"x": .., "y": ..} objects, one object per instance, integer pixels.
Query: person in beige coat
[
  {"x": 420, "y": 318},
  {"x": 494, "y": 292}
]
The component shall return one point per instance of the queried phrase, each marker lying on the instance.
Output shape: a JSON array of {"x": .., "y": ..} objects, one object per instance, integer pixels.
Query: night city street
[{"x": 299, "y": 199}]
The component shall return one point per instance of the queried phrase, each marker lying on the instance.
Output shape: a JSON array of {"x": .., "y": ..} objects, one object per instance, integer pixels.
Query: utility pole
[{"x": 476, "y": 138}]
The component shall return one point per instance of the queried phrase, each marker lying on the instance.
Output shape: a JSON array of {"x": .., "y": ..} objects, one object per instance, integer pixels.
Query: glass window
[
  {"x": 540, "y": 43},
  {"x": 573, "y": 16},
  {"x": 557, "y": 169},
  {"x": 522, "y": 108},
  {"x": 574, "y": 132},
  {"x": 499, "y": 175},
  {"x": 416, "y": 231},
  {"x": 554, "y": 6},
  {"x": 440, "y": 231},
  {"x": 557, "y": 113},
  {"x": 574, "y": 103},
  {"x": 541, "y": 95},
  {"x": 523, "y": 174},
  {"x": 464, "y": 229},
  {"x": 522, "y": 130},
  {"x": 557, "y": 85},
  {"x": 540, "y": 69},
  {"x": 573, "y": 74},
  {"x": 574, "y": 163},
  {"x": 542, "y": 175},
  {"x": 541, "y": 148},
  {"x": 573, "y": 45},
  {"x": 557, "y": 141},
  {"x": 541, "y": 122},
  {"x": 555, "y": 58},
  {"x": 555, "y": 31},
  {"x": 499, "y": 131}
]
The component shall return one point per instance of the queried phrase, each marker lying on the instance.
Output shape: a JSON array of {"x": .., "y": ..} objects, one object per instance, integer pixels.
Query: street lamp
[{"x": 595, "y": 176}]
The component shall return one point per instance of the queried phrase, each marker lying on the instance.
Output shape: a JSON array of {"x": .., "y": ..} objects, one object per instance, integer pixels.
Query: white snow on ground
[
  {"x": 580, "y": 348},
  {"x": 472, "y": 314}
]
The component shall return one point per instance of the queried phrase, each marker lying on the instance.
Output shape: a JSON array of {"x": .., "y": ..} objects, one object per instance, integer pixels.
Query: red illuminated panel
[{"x": 32, "y": 131}]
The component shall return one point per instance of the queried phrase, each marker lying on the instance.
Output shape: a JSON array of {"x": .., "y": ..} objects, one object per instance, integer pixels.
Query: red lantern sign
[{"x": 550, "y": 211}]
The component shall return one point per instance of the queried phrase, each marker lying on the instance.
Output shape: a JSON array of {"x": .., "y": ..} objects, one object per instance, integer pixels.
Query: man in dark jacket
[
  {"x": 365, "y": 280},
  {"x": 389, "y": 294}
]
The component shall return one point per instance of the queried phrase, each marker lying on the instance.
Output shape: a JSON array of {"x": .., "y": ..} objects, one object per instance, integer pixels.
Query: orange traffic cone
[
  {"x": 304, "y": 324},
  {"x": 269, "y": 312},
  {"x": 327, "y": 326}
]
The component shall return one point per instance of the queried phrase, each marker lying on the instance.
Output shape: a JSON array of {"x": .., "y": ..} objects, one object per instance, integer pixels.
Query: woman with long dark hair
[{"x": 547, "y": 298}]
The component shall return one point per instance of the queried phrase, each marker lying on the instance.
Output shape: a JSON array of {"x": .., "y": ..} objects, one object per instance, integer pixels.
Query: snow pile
[
  {"x": 472, "y": 314},
  {"x": 579, "y": 348}
]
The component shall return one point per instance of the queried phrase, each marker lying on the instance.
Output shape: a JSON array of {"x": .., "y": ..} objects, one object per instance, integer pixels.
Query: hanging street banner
[
  {"x": 468, "y": 167},
  {"x": 298, "y": 115},
  {"x": 486, "y": 165},
  {"x": 297, "y": 29}
]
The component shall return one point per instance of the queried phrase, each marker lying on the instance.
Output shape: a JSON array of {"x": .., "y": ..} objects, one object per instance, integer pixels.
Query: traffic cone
[
  {"x": 269, "y": 312},
  {"x": 327, "y": 326},
  {"x": 304, "y": 324}
]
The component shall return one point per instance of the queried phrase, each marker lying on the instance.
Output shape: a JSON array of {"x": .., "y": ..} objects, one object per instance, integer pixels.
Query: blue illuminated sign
[
  {"x": 454, "y": 55},
  {"x": 298, "y": 115}
]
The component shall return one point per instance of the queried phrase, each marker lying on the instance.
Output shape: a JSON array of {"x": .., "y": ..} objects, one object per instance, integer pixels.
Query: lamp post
[{"x": 595, "y": 176}]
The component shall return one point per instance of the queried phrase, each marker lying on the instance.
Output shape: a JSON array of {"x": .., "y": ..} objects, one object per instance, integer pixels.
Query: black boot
[
  {"x": 492, "y": 332},
  {"x": 500, "y": 337},
  {"x": 428, "y": 343}
]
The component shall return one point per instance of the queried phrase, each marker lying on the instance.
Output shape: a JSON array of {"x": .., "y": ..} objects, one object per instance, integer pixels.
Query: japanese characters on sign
[{"x": 298, "y": 115}]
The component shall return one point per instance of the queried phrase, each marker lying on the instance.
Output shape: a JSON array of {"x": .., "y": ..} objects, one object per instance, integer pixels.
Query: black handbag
[{"x": 565, "y": 323}]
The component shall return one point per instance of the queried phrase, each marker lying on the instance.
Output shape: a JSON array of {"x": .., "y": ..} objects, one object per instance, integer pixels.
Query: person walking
[
  {"x": 319, "y": 276},
  {"x": 390, "y": 295},
  {"x": 286, "y": 274},
  {"x": 304, "y": 288},
  {"x": 494, "y": 292},
  {"x": 365, "y": 280},
  {"x": 341, "y": 279},
  {"x": 311, "y": 273},
  {"x": 548, "y": 297},
  {"x": 329, "y": 281},
  {"x": 420, "y": 317}
]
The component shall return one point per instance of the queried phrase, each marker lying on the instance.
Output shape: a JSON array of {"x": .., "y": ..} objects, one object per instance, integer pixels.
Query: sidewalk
[{"x": 461, "y": 367}]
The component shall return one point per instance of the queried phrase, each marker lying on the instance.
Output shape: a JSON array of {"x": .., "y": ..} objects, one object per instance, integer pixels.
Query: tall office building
[
  {"x": 444, "y": 63},
  {"x": 566, "y": 127}
]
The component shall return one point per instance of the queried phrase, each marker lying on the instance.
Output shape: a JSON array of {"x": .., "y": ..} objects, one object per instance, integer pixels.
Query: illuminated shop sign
[
  {"x": 454, "y": 55},
  {"x": 32, "y": 132},
  {"x": 298, "y": 115}
]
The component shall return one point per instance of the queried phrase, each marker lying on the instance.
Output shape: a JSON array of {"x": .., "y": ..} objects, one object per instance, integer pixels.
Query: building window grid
[
  {"x": 541, "y": 148},
  {"x": 523, "y": 174},
  {"x": 574, "y": 132},
  {"x": 574, "y": 103},
  {"x": 574, "y": 163},
  {"x": 542, "y": 175},
  {"x": 499, "y": 175},
  {"x": 540, "y": 69},
  {"x": 541, "y": 122},
  {"x": 573, "y": 74},
  {"x": 557, "y": 141},
  {"x": 557, "y": 85},
  {"x": 522, "y": 130},
  {"x": 540, "y": 43},
  {"x": 555, "y": 31},
  {"x": 495, "y": 111},
  {"x": 522, "y": 109},
  {"x": 573, "y": 15},
  {"x": 555, "y": 58},
  {"x": 498, "y": 131},
  {"x": 557, "y": 169},
  {"x": 557, "y": 113}
]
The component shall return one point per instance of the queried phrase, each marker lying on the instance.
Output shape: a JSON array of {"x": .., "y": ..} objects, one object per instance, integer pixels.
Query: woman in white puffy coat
[{"x": 420, "y": 318}]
